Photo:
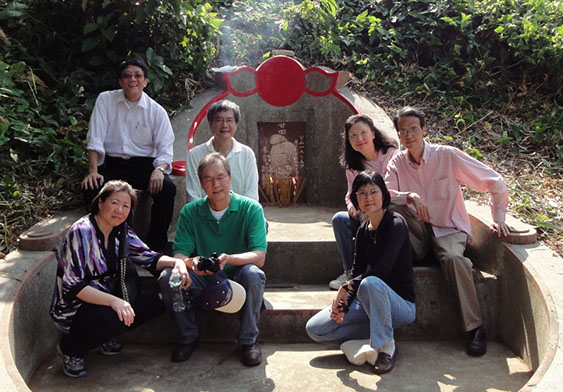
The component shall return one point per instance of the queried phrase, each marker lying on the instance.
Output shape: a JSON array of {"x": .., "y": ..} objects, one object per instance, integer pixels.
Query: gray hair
[
  {"x": 223, "y": 106},
  {"x": 208, "y": 160}
]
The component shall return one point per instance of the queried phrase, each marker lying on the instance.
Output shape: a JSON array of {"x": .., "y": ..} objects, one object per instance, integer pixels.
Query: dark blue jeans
[{"x": 345, "y": 229}]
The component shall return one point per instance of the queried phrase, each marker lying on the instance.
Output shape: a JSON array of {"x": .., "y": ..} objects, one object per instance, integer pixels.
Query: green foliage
[
  {"x": 250, "y": 29},
  {"x": 174, "y": 37}
]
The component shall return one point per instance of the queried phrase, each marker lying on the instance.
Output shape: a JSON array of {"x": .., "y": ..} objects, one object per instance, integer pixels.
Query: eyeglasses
[
  {"x": 364, "y": 195},
  {"x": 407, "y": 132},
  {"x": 228, "y": 121},
  {"x": 137, "y": 75},
  {"x": 211, "y": 180}
]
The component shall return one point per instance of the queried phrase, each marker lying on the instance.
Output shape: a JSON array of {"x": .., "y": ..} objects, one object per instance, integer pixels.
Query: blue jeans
[
  {"x": 345, "y": 229},
  {"x": 249, "y": 276},
  {"x": 374, "y": 314}
]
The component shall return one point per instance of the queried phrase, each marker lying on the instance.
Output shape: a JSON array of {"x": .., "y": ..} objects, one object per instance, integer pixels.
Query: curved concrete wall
[{"x": 531, "y": 302}]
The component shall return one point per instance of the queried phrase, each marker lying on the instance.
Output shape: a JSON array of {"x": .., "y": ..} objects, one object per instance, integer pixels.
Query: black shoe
[
  {"x": 72, "y": 366},
  {"x": 251, "y": 354},
  {"x": 477, "y": 344},
  {"x": 183, "y": 352},
  {"x": 385, "y": 362},
  {"x": 111, "y": 347}
]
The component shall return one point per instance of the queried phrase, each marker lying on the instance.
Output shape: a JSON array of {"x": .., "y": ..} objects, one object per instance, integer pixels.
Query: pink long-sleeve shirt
[
  {"x": 437, "y": 180},
  {"x": 379, "y": 165}
]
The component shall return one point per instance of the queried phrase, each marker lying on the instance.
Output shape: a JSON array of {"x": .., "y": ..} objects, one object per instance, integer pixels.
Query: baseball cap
[{"x": 222, "y": 294}]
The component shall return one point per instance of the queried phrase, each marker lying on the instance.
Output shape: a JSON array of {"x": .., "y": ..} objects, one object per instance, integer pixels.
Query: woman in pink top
[{"x": 364, "y": 147}]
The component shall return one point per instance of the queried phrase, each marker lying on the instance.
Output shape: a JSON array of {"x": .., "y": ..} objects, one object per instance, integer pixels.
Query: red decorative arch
[{"x": 280, "y": 81}]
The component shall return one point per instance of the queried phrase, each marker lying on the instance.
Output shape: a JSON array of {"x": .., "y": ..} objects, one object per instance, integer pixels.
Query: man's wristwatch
[
  {"x": 161, "y": 169},
  {"x": 345, "y": 287}
]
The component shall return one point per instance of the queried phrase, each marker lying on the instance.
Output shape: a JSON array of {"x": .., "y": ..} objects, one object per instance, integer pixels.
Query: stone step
[
  {"x": 289, "y": 306},
  {"x": 301, "y": 245},
  {"x": 305, "y": 262}
]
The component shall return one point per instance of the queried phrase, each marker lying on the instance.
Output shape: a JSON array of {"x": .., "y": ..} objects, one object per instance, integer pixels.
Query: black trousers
[
  {"x": 93, "y": 325},
  {"x": 137, "y": 172}
]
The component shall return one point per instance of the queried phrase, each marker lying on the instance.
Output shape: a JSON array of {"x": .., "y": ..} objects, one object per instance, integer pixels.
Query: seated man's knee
[
  {"x": 251, "y": 275},
  {"x": 452, "y": 261},
  {"x": 168, "y": 186}
]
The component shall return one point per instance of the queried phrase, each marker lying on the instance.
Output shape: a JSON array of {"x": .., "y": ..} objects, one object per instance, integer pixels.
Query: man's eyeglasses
[
  {"x": 211, "y": 180},
  {"x": 137, "y": 75},
  {"x": 228, "y": 121},
  {"x": 364, "y": 195},
  {"x": 407, "y": 132}
]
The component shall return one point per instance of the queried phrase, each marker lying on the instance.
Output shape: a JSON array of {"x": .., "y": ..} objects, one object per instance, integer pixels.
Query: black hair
[
  {"x": 109, "y": 188},
  {"x": 352, "y": 159},
  {"x": 409, "y": 111},
  {"x": 369, "y": 177},
  {"x": 137, "y": 62},
  {"x": 223, "y": 106}
]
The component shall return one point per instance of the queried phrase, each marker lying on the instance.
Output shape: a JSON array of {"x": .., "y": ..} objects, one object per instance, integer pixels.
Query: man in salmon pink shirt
[{"x": 424, "y": 181}]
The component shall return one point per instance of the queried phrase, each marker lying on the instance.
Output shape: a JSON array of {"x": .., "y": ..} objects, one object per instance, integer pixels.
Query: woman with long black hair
[{"x": 364, "y": 147}]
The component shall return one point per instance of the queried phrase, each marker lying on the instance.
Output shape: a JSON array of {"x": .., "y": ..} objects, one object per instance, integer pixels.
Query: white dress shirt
[
  {"x": 122, "y": 129},
  {"x": 244, "y": 171}
]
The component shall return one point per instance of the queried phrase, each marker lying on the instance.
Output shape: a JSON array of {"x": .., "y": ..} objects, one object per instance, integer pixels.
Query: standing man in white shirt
[
  {"x": 130, "y": 138},
  {"x": 223, "y": 118}
]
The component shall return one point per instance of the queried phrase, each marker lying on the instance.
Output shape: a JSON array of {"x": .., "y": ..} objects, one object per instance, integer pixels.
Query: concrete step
[
  {"x": 289, "y": 306},
  {"x": 304, "y": 262},
  {"x": 301, "y": 245}
]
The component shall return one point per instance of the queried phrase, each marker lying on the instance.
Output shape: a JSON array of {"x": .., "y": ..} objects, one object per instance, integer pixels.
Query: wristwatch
[
  {"x": 345, "y": 287},
  {"x": 161, "y": 169}
]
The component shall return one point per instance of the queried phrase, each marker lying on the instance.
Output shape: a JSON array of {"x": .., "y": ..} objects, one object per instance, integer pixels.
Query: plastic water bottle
[{"x": 178, "y": 304}]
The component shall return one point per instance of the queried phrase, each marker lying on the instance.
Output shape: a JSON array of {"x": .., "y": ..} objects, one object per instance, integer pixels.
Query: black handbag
[{"x": 127, "y": 284}]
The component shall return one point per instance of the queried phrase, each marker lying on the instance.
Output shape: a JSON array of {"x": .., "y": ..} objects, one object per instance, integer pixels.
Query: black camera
[{"x": 209, "y": 263}]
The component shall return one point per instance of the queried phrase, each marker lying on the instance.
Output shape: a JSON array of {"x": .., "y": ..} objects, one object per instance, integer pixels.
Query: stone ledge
[
  {"x": 520, "y": 233},
  {"x": 46, "y": 234}
]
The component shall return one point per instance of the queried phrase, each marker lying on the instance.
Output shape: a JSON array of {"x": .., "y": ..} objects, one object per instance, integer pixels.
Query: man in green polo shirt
[{"x": 234, "y": 227}]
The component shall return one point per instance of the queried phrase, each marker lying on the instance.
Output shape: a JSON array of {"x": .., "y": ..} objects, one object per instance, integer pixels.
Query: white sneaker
[
  {"x": 336, "y": 283},
  {"x": 359, "y": 352}
]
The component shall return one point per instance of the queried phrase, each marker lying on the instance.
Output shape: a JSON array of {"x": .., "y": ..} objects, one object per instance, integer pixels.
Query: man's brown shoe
[
  {"x": 385, "y": 362},
  {"x": 251, "y": 354},
  {"x": 183, "y": 352}
]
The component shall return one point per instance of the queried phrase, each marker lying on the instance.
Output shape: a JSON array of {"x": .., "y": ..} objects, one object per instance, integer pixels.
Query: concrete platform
[{"x": 420, "y": 367}]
